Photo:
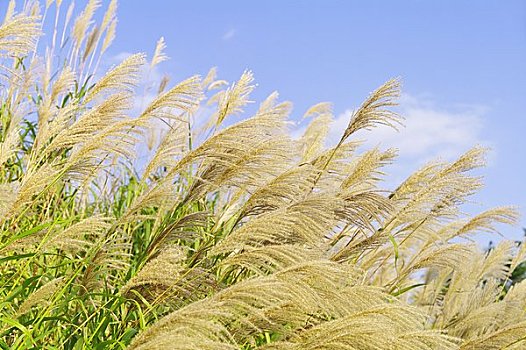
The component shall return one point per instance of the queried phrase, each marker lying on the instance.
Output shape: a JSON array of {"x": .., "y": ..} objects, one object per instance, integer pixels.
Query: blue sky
[{"x": 463, "y": 66}]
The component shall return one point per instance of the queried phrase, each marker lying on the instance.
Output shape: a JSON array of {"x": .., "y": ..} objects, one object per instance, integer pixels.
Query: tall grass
[{"x": 247, "y": 239}]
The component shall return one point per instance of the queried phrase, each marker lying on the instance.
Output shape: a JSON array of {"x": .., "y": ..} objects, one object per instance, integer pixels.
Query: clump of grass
[{"x": 237, "y": 238}]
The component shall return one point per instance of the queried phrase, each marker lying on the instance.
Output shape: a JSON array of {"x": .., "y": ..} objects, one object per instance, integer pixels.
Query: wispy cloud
[
  {"x": 229, "y": 34},
  {"x": 117, "y": 58}
]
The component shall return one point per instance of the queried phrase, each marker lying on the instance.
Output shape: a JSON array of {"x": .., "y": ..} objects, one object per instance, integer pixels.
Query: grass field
[{"x": 230, "y": 236}]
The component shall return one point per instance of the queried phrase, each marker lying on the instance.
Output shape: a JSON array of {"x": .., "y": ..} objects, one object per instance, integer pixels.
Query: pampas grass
[{"x": 236, "y": 236}]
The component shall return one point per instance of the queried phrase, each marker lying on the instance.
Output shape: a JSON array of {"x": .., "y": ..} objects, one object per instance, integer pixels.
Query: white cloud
[
  {"x": 119, "y": 57},
  {"x": 229, "y": 34}
]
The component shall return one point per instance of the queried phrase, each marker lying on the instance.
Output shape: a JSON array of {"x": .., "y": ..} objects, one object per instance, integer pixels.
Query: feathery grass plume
[
  {"x": 270, "y": 258},
  {"x": 178, "y": 103},
  {"x": 18, "y": 35},
  {"x": 416, "y": 181},
  {"x": 108, "y": 256},
  {"x": 53, "y": 123},
  {"x": 448, "y": 256},
  {"x": 496, "y": 263},
  {"x": 364, "y": 172},
  {"x": 91, "y": 43},
  {"x": 360, "y": 331},
  {"x": 183, "y": 97},
  {"x": 485, "y": 222},
  {"x": 10, "y": 128},
  {"x": 172, "y": 147},
  {"x": 325, "y": 288},
  {"x": 216, "y": 85},
  {"x": 83, "y": 22},
  {"x": 304, "y": 222},
  {"x": 10, "y": 10},
  {"x": 511, "y": 337},
  {"x": 313, "y": 139},
  {"x": 165, "y": 278},
  {"x": 426, "y": 236},
  {"x": 514, "y": 296},
  {"x": 154, "y": 196},
  {"x": 159, "y": 55},
  {"x": 163, "y": 84},
  {"x": 472, "y": 159},
  {"x": 333, "y": 164},
  {"x": 206, "y": 319},
  {"x": 94, "y": 134},
  {"x": 237, "y": 96},
  {"x": 318, "y": 109},
  {"x": 269, "y": 103},
  {"x": 210, "y": 77},
  {"x": 34, "y": 183},
  {"x": 76, "y": 238},
  {"x": 232, "y": 148},
  {"x": 471, "y": 306},
  {"x": 426, "y": 339},
  {"x": 364, "y": 232},
  {"x": 445, "y": 191},
  {"x": 79, "y": 236},
  {"x": 40, "y": 296},
  {"x": 184, "y": 228},
  {"x": 369, "y": 307},
  {"x": 110, "y": 36},
  {"x": 92, "y": 122},
  {"x": 69, "y": 14},
  {"x": 8, "y": 195},
  {"x": 114, "y": 140},
  {"x": 364, "y": 209},
  {"x": 284, "y": 189},
  {"x": 109, "y": 15},
  {"x": 62, "y": 84},
  {"x": 33, "y": 9},
  {"x": 123, "y": 77},
  {"x": 264, "y": 157},
  {"x": 441, "y": 188},
  {"x": 374, "y": 110},
  {"x": 284, "y": 301}
]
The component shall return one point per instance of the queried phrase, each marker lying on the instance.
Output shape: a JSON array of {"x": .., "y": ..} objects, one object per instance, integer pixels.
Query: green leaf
[
  {"x": 407, "y": 289},
  {"x": 395, "y": 246},
  {"x": 16, "y": 257}
]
